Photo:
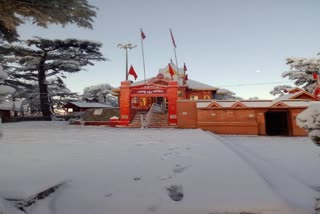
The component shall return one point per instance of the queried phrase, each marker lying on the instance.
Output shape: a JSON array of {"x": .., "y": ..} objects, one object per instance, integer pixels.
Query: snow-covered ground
[{"x": 136, "y": 171}]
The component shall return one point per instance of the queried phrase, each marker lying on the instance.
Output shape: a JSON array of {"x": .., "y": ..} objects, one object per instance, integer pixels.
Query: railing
[
  {"x": 147, "y": 119},
  {"x": 154, "y": 108}
]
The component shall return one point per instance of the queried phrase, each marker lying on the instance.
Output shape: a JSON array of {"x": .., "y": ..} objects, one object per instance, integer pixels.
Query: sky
[{"x": 233, "y": 44}]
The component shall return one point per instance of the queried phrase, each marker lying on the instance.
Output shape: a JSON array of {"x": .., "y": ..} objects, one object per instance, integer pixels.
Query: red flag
[
  {"x": 173, "y": 42},
  {"x": 186, "y": 77},
  {"x": 184, "y": 67},
  {"x": 171, "y": 71},
  {"x": 143, "y": 36},
  {"x": 315, "y": 75},
  {"x": 133, "y": 73}
]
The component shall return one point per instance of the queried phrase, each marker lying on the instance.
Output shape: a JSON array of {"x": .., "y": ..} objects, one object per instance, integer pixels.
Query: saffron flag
[
  {"x": 171, "y": 71},
  {"x": 143, "y": 36},
  {"x": 184, "y": 67},
  {"x": 172, "y": 38},
  {"x": 133, "y": 73},
  {"x": 315, "y": 75}
]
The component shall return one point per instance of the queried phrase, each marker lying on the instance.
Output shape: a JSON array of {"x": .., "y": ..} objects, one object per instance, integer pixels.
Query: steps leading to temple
[
  {"x": 157, "y": 120},
  {"x": 136, "y": 121}
]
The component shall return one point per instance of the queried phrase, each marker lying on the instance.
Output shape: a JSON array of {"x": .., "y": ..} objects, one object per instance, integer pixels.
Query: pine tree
[
  {"x": 4, "y": 89},
  {"x": 99, "y": 92},
  {"x": 14, "y": 13},
  {"x": 301, "y": 70},
  {"x": 41, "y": 59}
]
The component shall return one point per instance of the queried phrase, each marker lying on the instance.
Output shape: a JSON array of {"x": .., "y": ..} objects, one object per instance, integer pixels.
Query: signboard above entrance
[{"x": 148, "y": 91}]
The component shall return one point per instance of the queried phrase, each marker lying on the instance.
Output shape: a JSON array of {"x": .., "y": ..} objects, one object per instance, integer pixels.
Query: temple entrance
[
  {"x": 159, "y": 100},
  {"x": 144, "y": 97},
  {"x": 277, "y": 123}
]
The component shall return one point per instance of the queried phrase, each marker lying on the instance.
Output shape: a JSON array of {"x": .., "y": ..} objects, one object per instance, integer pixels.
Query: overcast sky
[{"x": 235, "y": 44}]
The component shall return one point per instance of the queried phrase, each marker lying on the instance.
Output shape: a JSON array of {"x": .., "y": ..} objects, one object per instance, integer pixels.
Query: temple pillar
[
  {"x": 172, "y": 92},
  {"x": 125, "y": 103}
]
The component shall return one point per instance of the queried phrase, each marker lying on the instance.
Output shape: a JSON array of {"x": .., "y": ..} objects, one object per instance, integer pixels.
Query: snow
[
  {"x": 310, "y": 118},
  {"x": 14, "y": 106},
  {"x": 3, "y": 75},
  {"x": 4, "y": 89},
  {"x": 7, "y": 208},
  {"x": 112, "y": 170},
  {"x": 91, "y": 105}
]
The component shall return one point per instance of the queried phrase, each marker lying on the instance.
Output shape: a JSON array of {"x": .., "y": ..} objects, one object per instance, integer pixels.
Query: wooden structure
[{"x": 247, "y": 117}]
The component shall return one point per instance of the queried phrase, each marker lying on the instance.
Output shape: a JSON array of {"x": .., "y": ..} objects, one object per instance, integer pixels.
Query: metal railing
[
  {"x": 154, "y": 108},
  {"x": 147, "y": 119}
]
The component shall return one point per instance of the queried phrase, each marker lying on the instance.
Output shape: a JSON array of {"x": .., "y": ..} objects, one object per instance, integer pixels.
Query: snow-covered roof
[
  {"x": 91, "y": 105},
  {"x": 257, "y": 103},
  {"x": 191, "y": 84},
  {"x": 203, "y": 104},
  {"x": 295, "y": 103},
  {"x": 289, "y": 96},
  {"x": 292, "y": 95},
  {"x": 226, "y": 103},
  {"x": 13, "y": 106},
  {"x": 195, "y": 85},
  {"x": 265, "y": 103},
  {"x": 223, "y": 91}
]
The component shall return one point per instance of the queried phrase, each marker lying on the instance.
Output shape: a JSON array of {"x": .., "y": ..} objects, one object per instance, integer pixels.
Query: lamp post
[{"x": 126, "y": 46}]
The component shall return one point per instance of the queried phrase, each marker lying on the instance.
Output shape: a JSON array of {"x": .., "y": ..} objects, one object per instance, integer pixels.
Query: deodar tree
[
  {"x": 43, "y": 12},
  {"x": 4, "y": 89},
  {"x": 41, "y": 59},
  {"x": 301, "y": 70},
  {"x": 280, "y": 89},
  {"x": 99, "y": 92}
]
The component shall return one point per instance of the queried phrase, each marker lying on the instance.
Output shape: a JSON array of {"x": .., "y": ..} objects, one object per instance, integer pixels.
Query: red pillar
[
  {"x": 172, "y": 92},
  {"x": 125, "y": 103}
]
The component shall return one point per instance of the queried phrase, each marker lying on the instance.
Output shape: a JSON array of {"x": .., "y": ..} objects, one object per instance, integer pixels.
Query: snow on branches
[
  {"x": 309, "y": 119},
  {"x": 101, "y": 92},
  {"x": 4, "y": 89},
  {"x": 42, "y": 13},
  {"x": 301, "y": 70},
  {"x": 280, "y": 89},
  {"x": 40, "y": 59}
]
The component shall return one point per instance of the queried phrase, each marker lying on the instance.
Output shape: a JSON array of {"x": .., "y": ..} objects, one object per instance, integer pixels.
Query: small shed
[{"x": 73, "y": 107}]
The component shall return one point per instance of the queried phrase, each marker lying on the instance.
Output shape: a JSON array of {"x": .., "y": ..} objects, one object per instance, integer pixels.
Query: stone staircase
[
  {"x": 136, "y": 121},
  {"x": 159, "y": 120}
]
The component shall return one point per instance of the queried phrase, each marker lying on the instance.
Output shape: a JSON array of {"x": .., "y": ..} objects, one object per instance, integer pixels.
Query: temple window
[{"x": 194, "y": 97}]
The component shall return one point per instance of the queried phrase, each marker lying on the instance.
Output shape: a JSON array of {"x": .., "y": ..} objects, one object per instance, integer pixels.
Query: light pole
[{"x": 126, "y": 46}]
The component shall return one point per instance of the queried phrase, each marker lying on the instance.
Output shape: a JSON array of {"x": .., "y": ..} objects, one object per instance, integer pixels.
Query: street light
[{"x": 126, "y": 46}]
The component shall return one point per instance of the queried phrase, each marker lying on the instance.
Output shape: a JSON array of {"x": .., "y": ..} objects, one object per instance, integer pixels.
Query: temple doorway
[{"x": 277, "y": 123}]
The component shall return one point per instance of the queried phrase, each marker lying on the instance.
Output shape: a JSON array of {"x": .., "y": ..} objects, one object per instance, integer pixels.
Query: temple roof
[
  {"x": 88, "y": 105},
  {"x": 254, "y": 103},
  {"x": 178, "y": 76}
]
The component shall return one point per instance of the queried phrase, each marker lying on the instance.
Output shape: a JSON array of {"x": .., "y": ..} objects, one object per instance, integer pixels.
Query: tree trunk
[{"x": 43, "y": 89}]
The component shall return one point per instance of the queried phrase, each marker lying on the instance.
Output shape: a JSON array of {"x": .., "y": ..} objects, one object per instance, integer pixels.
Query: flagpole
[
  {"x": 175, "y": 53},
  {"x": 144, "y": 65}
]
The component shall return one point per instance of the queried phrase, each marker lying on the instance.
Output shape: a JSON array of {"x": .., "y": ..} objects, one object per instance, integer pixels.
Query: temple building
[
  {"x": 172, "y": 100},
  {"x": 161, "y": 92}
]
